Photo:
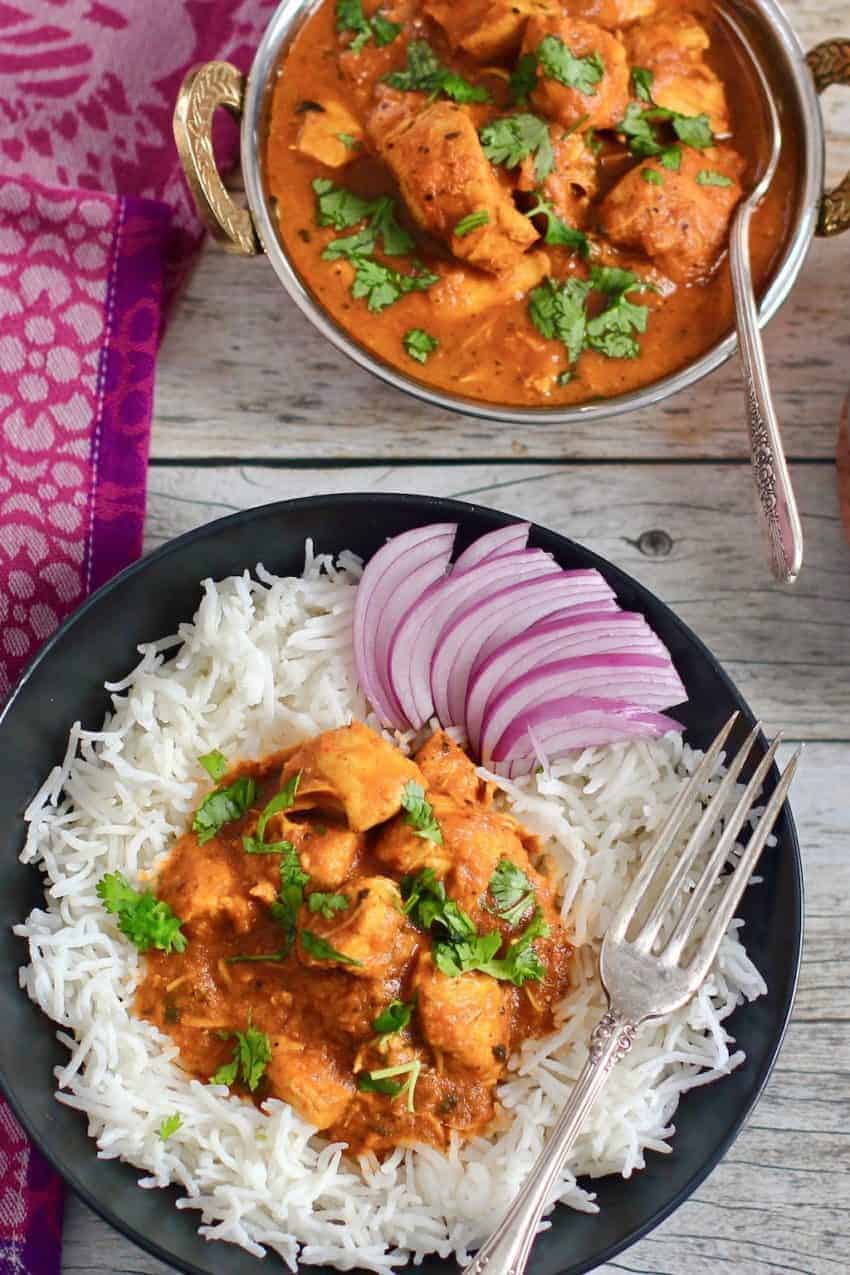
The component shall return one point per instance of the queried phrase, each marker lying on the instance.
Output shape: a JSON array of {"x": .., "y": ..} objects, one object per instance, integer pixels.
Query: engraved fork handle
[
  {"x": 770, "y": 472},
  {"x": 506, "y": 1252}
]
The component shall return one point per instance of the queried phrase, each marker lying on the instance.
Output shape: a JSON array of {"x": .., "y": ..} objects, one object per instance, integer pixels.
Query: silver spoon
[{"x": 775, "y": 494}]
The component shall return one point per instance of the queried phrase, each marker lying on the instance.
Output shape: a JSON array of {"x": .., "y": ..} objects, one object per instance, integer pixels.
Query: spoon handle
[{"x": 775, "y": 495}]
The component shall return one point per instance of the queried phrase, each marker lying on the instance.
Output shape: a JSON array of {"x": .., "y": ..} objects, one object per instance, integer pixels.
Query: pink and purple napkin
[{"x": 96, "y": 232}]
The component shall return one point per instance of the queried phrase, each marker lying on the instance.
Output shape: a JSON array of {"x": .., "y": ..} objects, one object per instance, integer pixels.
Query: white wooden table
[{"x": 253, "y": 406}]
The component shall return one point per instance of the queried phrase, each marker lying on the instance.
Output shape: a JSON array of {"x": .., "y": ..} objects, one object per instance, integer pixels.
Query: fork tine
[
  {"x": 740, "y": 878},
  {"x": 660, "y": 909},
  {"x": 671, "y": 826},
  {"x": 719, "y": 855}
]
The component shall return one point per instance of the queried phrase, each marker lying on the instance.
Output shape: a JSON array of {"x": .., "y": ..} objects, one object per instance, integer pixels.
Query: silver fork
[{"x": 641, "y": 983}]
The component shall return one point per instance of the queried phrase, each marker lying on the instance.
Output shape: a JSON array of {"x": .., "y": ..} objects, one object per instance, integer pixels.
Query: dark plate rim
[{"x": 442, "y": 507}]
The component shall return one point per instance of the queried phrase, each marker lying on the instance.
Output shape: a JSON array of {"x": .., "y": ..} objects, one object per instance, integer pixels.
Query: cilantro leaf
[
  {"x": 367, "y": 1083},
  {"x": 472, "y": 221},
  {"x": 652, "y": 176},
  {"x": 427, "y": 904},
  {"x": 283, "y": 800},
  {"x": 383, "y": 222},
  {"x": 419, "y": 344},
  {"x": 419, "y": 813},
  {"x": 558, "y": 311},
  {"x": 293, "y": 879},
  {"x": 513, "y": 893},
  {"x": 169, "y": 1126},
  {"x": 671, "y": 158},
  {"x": 350, "y": 17},
  {"x": 708, "y": 177},
  {"x": 381, "y": 286},
  {"x": 425, "y": 73},
  {"x": 251, "y": 1055},
  {"x": 383, "y": 30},
  {"x": 327, "y": 904},
  {"x": 612, "y": 331},
  {"x": 314, "y": 945},
  {"x": 222, "y": 806},
  {"x": 145, "y": 920},
  {"x": 693, "y": 130},
  {"x": 638, "y": 128},
  {"x": 350, "y": 143},
  {"x": 338, "y": 207},
  {"x": 382, "y": 1081},
  {"x": 558, "y": 233},
  {"x": 514, "y": 138},
  {"x": 521, "y": 964},
  {"x": 394, "y": 1018},
  {"x": 557, "y": 62},
  {"x": 523, "y": 80},
  {"x": 642, "y": 79},
  {"x": 477, "y": 953},
  {"x": 257, "y": 956},
  {"x": 215, "y": 764},
  {"x": 592, "y": 142}
]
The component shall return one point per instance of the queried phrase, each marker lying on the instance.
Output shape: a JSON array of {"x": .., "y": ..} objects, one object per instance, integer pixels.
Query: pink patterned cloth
[{"x": 96, "y": 232}]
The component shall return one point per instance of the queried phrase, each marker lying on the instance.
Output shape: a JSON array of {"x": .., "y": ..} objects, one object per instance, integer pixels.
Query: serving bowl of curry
[{"x": 519, "y": 209}]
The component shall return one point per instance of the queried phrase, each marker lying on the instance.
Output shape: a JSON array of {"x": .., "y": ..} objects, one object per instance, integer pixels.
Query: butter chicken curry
[
  {"x": 524, "y": 201},
  {"x": 363, "y": 935}
]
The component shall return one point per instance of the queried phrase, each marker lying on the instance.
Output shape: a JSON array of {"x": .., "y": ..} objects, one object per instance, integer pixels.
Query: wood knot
[{"x": 655, "y": 543}]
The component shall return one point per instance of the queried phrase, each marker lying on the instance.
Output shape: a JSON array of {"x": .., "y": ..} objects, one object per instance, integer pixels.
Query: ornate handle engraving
[
  {"x": 602, "y": 1035},
  {"x": 204, "y": 89},
  {"x": 830, "y": 64}
]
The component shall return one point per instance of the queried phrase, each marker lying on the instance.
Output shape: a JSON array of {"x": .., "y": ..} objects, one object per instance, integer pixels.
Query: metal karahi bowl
[{"x": 798, "y": 77}]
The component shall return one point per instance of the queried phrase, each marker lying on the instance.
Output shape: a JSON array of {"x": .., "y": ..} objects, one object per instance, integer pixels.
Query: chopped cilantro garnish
[
  {"x": 314, "y": 945},
  {"x": 557, "y": 62},
  {"x": 642, "y": 79},
  {"x": 671, "y": 158},
  {"x": 693, "y": 130},
  {"x": 394, "y": 1018},
  {"x": 341, "y": 209},
  {"x": 709, "y": 177},
  {"x": 327, "y": 905},
  {"x": 427, "y": 904},
  {"x": 338, "y": 207},
  {"x": 638, "y": 126},
  {"x": 381, "y": 285},
  {"x": 514, "y": 138},
  {"x": 350, "y": 143},
  {"x": 383, "y": 30},
  {"x": 558, "y": 311},
  {"x": 145, "y": 920},
  {"x": 222, "y": 805},
  {"x": 592, "y": 142},
  {"x": 215, "y": 764},
  {"x": 465, "y": 955},
  {"x": 169, "y": 1126},
  {"x": 293, "y": 878},
  {"x": 558, "y": 233},
  {"x": 257, "y": 956},
  {"x": 523, "y": 78},
  {"x": 472, "y": 221},
  {"x": 382, "y": 1081},
  {"x": 513, "y": 893},
  {"x": 419, "y": 344},
  {"x": 283, "y": 800},
  {"x": 612, "y": 331},
  {"x": 350, "y": 17},
  {"x": 425, "y": 73},
  {"x": 251, "y": 1055},
  {"x": 652, "y": 176},
  {"x": 419, "y": 813}
]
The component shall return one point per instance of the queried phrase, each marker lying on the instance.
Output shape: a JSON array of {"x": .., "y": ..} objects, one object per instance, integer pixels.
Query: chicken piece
[
  {"x": 373, "y": 932},
  {"x": 572, "y": 183},
  {"x": 463, "y": 293},
  {"x": 612, "y": 14},
  {"x": 604, "y": 103},
  {"x": 466, "y": 1019},
  {"x": 449, "y": 771},
  {"x": 325, "y": 125},
  {"x": 354, "y": 770},
  {"x": 487, "y": 30},
  {"x": 679, "y": 223},
  {"x": 402, "y": 849},
  {"x": 305, "y": 1076},
  {"x": 204, "y": 886},
  {"x": 476, "y": 840},
  {"x": 672, "y": 48},
  {"x": 328, "y": 853},
  {"x": 444, "y": 176}
]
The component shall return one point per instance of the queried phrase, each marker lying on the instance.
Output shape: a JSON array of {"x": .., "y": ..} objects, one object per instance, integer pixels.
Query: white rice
[{"x": 265, "y": 662}]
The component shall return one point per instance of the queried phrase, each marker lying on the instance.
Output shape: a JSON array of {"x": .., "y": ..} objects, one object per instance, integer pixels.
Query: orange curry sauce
[
  {"x": 488, "y": 346},
  {"x": 352, "y": 838}
]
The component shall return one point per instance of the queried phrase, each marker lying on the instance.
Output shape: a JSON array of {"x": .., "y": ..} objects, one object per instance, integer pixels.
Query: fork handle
[
  {"x": 775, "y": 494},
  {"x": 507, "y": 1250}
]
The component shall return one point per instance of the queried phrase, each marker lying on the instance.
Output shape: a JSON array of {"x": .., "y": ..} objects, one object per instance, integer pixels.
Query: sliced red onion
[
  {"x": 493, "y": 544},
  {"x": 642, "y": 679},
  {"x": 500, "y": 617},
  {"x": 412, "y": 645},
  {"x": 558, "y": 726},
  {"x": 588, "y": 633},
  {"x": 392, "y": 579}
]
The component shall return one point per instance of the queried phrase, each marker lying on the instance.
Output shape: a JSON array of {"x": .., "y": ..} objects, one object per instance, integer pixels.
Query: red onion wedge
[
  {"x": 392, "y": 579},
  {"x": 572, "y": 722},
  {"x": 641, "y": 679},
  {"x": 588, "y": 633},
  {"x": 493, "y": 544},
  {"x": 496, "y": 619},
  {"x": 412, "y": 644}
]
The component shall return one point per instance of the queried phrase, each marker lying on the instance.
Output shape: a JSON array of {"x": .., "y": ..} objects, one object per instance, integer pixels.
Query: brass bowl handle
[
  {"x": 829, "y": 63},
  {"x": 205, "y": 88}
]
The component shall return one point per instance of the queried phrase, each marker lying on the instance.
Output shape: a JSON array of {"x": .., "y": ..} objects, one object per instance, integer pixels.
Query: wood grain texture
[
  {"x": 686, "y": 531},
  {"x": 243, "y": 374}
]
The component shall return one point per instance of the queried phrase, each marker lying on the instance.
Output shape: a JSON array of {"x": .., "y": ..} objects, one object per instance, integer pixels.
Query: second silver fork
[{"x": 640, "y": 982}]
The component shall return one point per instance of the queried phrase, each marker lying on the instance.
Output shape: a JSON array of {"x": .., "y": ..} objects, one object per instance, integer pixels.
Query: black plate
[{"x": 149, "y": 600}]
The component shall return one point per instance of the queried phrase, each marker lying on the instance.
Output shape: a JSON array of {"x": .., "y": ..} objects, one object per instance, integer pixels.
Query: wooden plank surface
[{"x": 243, "y": 374}]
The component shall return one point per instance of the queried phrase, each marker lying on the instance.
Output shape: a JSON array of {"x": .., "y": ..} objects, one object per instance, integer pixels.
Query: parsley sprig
[
  {"x": 251, "y": 1055},
  {"x": 283, "y": 800},
  {"x": 425, "y": 73},
  {"x": 145, "y": 920},
  {"x": 514, "y": 138},
  {"x": 350, "y": 17},
  {"x": 419, "y": 813}
]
